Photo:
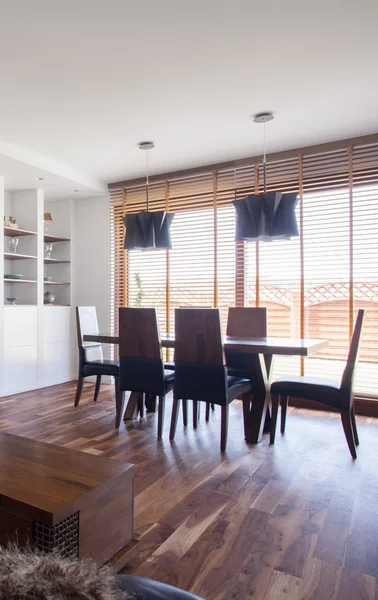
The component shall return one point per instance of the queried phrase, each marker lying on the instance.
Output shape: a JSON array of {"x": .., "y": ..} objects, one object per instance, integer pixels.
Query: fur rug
[{"x": 27, "y": 575}]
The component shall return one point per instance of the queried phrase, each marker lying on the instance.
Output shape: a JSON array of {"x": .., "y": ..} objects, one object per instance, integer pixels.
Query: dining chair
[
  {"x": 141, "y": 364},
  {"x": 244, "y": 322},
  {"x": 91, "y": 360},
  {"x": 201, "y": 373},
  {"x": 326, "y": 391}
]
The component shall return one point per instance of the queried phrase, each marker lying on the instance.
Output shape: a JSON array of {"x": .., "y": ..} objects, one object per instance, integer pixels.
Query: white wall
[{"x": 92, "y": 258}]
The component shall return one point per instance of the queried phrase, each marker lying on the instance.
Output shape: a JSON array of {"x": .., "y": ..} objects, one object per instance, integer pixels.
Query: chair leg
[
  {"x": 224, "y": 428},
  {"x": 195, "y": 414},
  {"x": 141, "y": 404},
  {"x": 161, "y": 415},
  {"x": 246, "y": 408},
  {"x": 185, "y": 412},
  {"x": 284, "y": 402},
  {"x": 150, "y": 403},
  {"x": 120, "y": 403},
  {"x": 97, "y": 388},
  {"x": 175, "y": 410},
  {"x": 354, "y": 426},
  {"x": 207, "y": 417},
  {"x": 348, "y": 431},
  {"x": 79, "y": 389},
  {"x": 273, "y": 417}
]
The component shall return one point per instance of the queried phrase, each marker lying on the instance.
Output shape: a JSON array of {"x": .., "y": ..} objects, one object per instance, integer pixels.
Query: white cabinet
[
  {"x": 57, "y": 346},
  {"x": 37, "y": 345},
  {"x": 20, "y": 369},
  {"x": 20, "y": 326},
  {"x": 56, "y": 361},
  {"x": 56, "y": 324}
]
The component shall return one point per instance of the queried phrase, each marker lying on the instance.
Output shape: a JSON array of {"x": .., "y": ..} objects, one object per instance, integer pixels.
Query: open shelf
[
  {"x": 54, "y": 238},
  {"x": 55, "y": 304},
  {"x": 19, "y": 281},
  {"x": 11, "y": 256},
  {"x": 52, "y": 261},
  {"x": 6, "y": 305},
  {"x": 56, "y": 283},
  {"x": 12, "y": 232}
]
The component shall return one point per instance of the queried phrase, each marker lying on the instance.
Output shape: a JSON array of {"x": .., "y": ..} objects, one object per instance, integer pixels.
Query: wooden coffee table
[{"x": 57, "y": 498}]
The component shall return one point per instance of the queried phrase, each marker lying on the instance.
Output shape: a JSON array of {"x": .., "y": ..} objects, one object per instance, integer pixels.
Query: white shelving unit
[{"x": 37, "y": 341}]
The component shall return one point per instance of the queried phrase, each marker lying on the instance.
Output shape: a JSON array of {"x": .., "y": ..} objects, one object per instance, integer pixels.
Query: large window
[{"x": 312, "y": 286}]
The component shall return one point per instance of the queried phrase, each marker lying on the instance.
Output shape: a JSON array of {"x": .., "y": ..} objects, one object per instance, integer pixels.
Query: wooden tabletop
[
  {"x": 52, "y": 479},
  {"x": 269, "y": 345}
]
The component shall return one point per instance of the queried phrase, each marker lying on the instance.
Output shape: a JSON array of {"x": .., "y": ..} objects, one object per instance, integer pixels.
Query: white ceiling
[{"x": 83, "y": 81}]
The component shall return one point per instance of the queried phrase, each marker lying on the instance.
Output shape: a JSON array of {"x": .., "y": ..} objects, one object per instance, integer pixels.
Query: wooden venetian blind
[{"x": 311, "y": 285}]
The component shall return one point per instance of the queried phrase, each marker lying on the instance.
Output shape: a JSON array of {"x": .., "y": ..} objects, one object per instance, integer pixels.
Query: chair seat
[
  {"x": 101, "y": 367},
  {"x": 237, "y": 386},
  {"x": 169, "y": 380},
  {"x": 319, "y": 389},
  {"x": 169, "y": 375},
  {"x": 148, "y": 589}
]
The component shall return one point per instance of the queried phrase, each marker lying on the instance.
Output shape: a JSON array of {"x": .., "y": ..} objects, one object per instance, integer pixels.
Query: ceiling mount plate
[
  {"x": 263, "y": 117},
  {"x": 146, "y": 145}
]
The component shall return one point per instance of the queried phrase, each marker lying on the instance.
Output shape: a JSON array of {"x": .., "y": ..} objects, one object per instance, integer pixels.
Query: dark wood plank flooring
[{"x": 297, "y": 520}]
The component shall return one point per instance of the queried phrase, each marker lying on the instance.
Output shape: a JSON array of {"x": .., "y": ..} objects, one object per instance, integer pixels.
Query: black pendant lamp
[
  {"x": 268, "y": 216},
  {"x": 148, "y": 230}
]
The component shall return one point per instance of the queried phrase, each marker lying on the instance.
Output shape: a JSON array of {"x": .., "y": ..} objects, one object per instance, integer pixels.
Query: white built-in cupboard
[{"x": 37, "y": 341}]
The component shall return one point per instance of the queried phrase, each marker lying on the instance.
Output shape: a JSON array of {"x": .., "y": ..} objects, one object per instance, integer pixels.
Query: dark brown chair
[
  {"x": 141, "y": 364},
  {"x": 325, "y": 391},
  {"x": 201, "y": 373},
  {"x": 244, "y": 322},
  {"x": 91, "y": 360}
]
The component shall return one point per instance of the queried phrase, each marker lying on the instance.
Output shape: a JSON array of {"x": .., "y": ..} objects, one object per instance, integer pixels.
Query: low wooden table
[{"x": 57, "y": 498}]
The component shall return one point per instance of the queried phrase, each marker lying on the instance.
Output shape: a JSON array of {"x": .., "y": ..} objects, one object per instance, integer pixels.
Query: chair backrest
[
  {"x": 141, "y": 364},
  {"x": 139, "y": 333},
  {"x": 248, "y": 322},
  {"x": 86, "y": 323},
  {"x": 200, "y": 372},
  {"x": 347, "y": 380},
  {"x": 198, "y": 336}
]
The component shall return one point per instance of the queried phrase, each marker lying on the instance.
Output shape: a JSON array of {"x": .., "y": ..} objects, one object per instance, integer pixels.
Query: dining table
[{"x": 263, "y": 350}]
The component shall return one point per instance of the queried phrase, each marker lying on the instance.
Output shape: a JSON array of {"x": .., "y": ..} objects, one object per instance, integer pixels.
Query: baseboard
[{"x": 36, "y": 386}]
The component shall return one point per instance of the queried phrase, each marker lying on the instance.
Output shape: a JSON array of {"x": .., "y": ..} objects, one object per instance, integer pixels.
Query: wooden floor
[{"x": 297, "y": 520}]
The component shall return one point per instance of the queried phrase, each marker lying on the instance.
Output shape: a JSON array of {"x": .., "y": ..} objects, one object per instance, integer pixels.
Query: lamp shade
[
  {"x": 47, "y": 217},
  {"x": 148, "y": 230},
  {"x": 266, "y": 217}
]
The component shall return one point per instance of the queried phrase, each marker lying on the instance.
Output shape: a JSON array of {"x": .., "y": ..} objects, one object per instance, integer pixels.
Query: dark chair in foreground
[
  {"x": 91, "y": 360},
  {"x": 201, "y": 372},
  {"x": 148, "y": 589},
  {"x": 326, "y": 391},
  {"x": 141, "y": 364}
]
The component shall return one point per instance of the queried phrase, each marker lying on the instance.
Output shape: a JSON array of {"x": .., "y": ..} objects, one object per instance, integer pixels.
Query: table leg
[
  {"x": 258, "y": 414},
  {"x": 131, "y": 411}
]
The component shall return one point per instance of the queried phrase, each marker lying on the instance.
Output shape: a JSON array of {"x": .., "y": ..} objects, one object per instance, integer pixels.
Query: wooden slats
[{"x": 311, "y": 285}]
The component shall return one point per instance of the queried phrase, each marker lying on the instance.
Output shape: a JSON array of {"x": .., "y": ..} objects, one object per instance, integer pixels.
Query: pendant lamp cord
[
  {"x": 147, "y": 179},
  {"x": 264, "y": 159}
]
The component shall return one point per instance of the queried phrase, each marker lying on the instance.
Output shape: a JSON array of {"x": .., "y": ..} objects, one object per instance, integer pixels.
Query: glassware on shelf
[
  {"x": 47, "y": 219},
  {"x": 13, "y": 243},
  {"x": 48, "y": 250}
]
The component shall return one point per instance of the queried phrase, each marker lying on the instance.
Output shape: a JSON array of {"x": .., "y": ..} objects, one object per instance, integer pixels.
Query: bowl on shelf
[
  {"x": 13, "y": 276},
  {"x": 12, "y": 300},
  {"x": 48, "y": 298},
  {"x": 47, "y": 278}
]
